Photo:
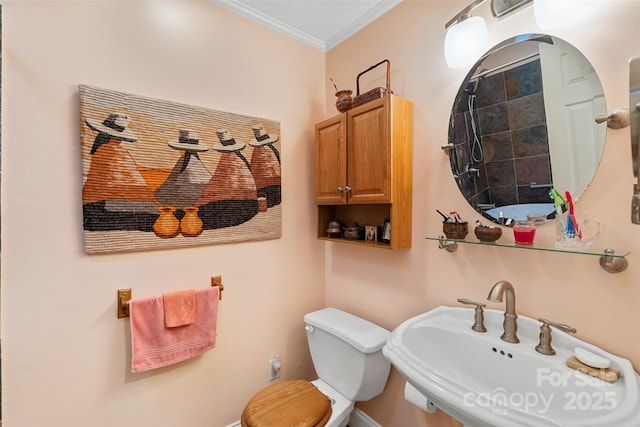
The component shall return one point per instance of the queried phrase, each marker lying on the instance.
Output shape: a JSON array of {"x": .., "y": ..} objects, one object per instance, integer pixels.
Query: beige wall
[
  {"x": 66, "y": 355},
  {"x": 390, "y": 287},
  {"x": 65, "y": 358}
]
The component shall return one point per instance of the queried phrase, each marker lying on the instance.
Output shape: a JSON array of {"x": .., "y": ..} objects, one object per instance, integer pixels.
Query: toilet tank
[{"x": 347, "y": 352}]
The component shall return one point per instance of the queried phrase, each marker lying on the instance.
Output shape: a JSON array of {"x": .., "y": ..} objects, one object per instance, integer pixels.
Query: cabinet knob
[
  {"x": 340, "y": 189},
  {"x": 347, "y": 188}
]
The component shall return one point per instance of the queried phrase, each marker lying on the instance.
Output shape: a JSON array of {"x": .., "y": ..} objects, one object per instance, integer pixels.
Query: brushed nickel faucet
[{"x": 510, "y": 324}]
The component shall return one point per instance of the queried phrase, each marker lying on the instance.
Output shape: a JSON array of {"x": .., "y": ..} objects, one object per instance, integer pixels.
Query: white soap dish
[{"x": 591, "y": 359}]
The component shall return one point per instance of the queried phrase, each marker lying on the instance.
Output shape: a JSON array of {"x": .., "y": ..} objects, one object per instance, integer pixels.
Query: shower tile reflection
[{"x": 511, "y": 125}]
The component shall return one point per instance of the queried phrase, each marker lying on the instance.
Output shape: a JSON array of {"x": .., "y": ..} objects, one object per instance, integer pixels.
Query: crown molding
[
  {"x": 259, "y": 17},
  {"x": 323, "y": 45},
  {"x": 380, "y": 9}
]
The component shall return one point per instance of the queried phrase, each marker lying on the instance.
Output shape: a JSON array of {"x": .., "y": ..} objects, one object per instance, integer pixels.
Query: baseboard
[
  {"x": 360, "y": 419},
  {"x": 236, "y": 424}
]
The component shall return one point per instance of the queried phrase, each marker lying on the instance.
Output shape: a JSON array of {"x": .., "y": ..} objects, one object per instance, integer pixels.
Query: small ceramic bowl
[{"x": 488, "y": 234}]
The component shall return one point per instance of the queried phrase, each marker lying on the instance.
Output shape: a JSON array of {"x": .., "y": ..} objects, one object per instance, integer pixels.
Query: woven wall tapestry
[{"x": 158, "y": 174}]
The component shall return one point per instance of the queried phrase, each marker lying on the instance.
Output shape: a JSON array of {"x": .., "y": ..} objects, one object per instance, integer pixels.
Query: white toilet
[{"x": 347, "y": 355}]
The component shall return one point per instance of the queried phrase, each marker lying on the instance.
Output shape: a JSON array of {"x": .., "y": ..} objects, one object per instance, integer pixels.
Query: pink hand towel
[
  {"x": 179, "y": 308},
  {"x": 153, "y": 345}
]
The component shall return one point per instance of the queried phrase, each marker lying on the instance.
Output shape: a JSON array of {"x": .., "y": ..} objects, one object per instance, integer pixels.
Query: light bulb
[
  {"x": 560, "y": 13},
  {"x": 465, "y": 42}
]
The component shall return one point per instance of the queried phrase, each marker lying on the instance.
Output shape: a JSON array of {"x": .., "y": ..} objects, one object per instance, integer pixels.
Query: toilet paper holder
[{"x": 416, "y": 398}]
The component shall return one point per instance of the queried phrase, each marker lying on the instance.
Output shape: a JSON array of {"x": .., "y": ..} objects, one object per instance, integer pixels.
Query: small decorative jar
[
  {"x": 354, "y": 232},
  {"x": 190, "y": 224},
  {"x": 167, "y": 225},
  {"x": 334, "y": 228},
  {"x": 524, "y": 232},
  {"x": 455, "y": 230},
  {"x": 262, "y": 204},
  {"x": 344, "y": 101}
]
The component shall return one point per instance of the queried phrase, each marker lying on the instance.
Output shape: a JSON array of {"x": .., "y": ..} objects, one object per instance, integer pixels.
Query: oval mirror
[{"x": 523, "y": 122}]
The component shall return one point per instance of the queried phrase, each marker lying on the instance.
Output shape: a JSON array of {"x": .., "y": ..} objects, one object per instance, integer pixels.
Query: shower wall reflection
[{"x": 499, "y": 131}]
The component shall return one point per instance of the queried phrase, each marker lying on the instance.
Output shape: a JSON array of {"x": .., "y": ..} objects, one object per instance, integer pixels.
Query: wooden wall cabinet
[{"x": 363, "y": 169}]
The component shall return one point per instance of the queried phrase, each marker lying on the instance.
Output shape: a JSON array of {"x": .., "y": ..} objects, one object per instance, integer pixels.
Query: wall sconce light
[
  {"x": 466, "y": 39},
  {"x": 558, "y": 13},
  {"x": 500, "y": 8}
]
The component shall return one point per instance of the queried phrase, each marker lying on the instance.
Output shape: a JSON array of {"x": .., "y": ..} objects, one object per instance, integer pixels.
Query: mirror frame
[
  {"x": 634, "y": 120},
  {"x": 523, "y": 98}
]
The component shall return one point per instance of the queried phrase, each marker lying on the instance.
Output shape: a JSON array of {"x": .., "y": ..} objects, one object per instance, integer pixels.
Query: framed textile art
[{"x": 158, "y": 174}]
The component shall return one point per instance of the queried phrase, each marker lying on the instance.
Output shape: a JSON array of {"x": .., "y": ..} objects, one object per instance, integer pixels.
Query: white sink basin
[{"x": 483, "y": 381}]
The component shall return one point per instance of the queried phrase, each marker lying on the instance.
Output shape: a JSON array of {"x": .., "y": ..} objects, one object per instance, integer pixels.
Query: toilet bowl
[{"x": 347, "y": 354}]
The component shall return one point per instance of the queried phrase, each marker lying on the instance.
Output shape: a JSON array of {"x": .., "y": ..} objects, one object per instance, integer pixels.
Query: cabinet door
[
  {"x": 369, "y": 153},
  {"x": 331, "y": 161}
]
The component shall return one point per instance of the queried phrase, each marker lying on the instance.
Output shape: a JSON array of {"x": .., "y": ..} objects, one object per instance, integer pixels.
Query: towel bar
[{"x": 124, "y": 296}]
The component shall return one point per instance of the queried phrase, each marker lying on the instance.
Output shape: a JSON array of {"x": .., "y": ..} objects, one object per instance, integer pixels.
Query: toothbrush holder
[{"x": 455, "y": 230}]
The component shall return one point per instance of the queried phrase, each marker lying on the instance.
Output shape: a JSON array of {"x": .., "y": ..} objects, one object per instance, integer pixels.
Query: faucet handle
[
  {"x": 544, "y": 346},
  {"x": 469, "y": 302},
  {"x": 561, "y": 326},
  {"x": 478, "y": 324}
]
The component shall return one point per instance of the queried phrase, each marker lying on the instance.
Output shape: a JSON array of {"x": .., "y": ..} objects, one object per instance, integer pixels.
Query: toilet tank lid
[{"x": 365, "y": 336}]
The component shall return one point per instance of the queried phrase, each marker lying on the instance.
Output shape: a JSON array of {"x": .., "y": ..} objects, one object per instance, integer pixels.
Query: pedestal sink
[{"x": 483, "y": 381}]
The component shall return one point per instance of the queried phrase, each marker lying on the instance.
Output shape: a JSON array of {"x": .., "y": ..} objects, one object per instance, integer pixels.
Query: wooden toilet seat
[{"x": 289, "y": 403}]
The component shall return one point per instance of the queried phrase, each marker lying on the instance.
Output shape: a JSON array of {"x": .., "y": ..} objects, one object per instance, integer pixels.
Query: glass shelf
[
  {"x": 610, "y": 261},
  {"x": 582, "y": 251}
]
